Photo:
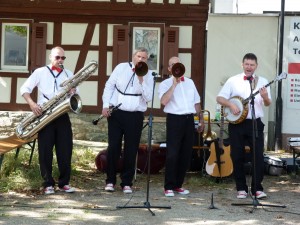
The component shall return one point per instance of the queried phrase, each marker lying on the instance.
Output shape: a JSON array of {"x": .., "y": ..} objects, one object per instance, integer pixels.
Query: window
[
  {"x": 149, "y": 38},
  {"x": 15, "y": 42}
]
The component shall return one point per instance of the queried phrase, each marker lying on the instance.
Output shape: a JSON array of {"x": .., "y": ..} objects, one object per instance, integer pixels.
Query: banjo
[{"x": 242, "y": 104}]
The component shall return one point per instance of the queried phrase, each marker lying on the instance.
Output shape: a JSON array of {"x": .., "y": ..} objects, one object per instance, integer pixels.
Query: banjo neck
[{"x": 245, "y": 101}]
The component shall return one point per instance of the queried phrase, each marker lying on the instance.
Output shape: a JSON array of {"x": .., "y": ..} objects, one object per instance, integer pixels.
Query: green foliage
[{"x": 20, "y": 30}]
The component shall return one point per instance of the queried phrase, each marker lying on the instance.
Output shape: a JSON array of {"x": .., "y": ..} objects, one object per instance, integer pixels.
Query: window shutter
[
  {"x": 120, "y": 45},
  {"x": 171, "y": 42},
  {"x": 38, "y": 45}
]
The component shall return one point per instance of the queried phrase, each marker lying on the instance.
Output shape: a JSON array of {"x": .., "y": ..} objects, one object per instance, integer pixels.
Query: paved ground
[{"x": 93, "y": 205}]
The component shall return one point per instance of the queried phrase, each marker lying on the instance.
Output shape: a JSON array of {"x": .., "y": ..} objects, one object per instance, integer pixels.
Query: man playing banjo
[{"x": 241, "y": 130}]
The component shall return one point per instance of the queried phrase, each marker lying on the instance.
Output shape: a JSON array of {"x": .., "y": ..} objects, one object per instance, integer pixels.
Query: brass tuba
[{"x": 56, "y": 106}]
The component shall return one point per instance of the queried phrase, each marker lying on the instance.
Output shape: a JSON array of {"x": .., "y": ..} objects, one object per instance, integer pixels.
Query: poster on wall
[{"x": 293, "y": 87}]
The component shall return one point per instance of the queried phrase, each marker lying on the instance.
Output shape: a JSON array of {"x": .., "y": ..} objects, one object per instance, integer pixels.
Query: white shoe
[
  {"x": 169, "y": 193},
  {"x": 127, "y": 190},
  {"x": 49, "y": 190},
  {"x": 242, "y": 194},
  {"x": 109, "y": 187},
  {"x": 260, "y": 194},
  {"x": 182, "y": 191},
  {"x": 67, "y": 188}
]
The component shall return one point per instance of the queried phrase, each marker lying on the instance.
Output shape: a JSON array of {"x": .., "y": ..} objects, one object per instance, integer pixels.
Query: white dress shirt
[
  {"x": 237, "y": 86},
  {"x": 45, "y": 82},
  {"x": 184, "y": 98},
  {"x": 124, "y": 79}
]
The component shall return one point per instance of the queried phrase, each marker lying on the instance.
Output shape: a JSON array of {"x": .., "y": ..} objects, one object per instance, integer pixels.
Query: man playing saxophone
[{"x": 58, "y": 132}]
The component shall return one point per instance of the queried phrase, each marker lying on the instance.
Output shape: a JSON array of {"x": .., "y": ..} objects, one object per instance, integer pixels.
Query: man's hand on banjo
[
  {"x": 264, "y": 94},
  {"x": 234, "y": 109}
]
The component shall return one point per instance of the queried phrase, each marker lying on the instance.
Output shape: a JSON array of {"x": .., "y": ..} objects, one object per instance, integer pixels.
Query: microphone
[
  {"x": 61, "y": 66},
  {"x": 154, "y": 74}
]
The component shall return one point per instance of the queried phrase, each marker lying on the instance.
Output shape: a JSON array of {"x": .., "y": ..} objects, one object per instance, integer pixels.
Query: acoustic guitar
[{"x": 219, "y": 163}]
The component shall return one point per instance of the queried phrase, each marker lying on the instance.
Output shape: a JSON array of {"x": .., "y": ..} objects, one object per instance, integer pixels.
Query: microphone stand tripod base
[
  {"x": 256, "y": 203},
  {"x": 147, "y": 203},
  {"x": 146, "y": 206},
  {"x": 212, "y": 203}
]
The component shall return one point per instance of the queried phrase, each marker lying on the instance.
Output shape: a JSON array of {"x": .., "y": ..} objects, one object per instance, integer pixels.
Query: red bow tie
[
  {"x": 248, "y": 78},
  {"x": 56, "y": 68},
  {"x": 182, "y": 78}
]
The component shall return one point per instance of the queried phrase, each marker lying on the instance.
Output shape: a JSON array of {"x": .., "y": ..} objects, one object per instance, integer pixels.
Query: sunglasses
[{"x": 60, "y": 57}]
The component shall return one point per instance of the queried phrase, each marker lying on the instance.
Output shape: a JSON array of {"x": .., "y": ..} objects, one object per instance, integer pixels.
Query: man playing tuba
[{"x": 58, "y": 132}]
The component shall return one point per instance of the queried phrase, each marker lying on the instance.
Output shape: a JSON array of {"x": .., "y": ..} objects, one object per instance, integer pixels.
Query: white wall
[
  {"x": 229, "y": 38},
  {"x": 253, "y": 6}
]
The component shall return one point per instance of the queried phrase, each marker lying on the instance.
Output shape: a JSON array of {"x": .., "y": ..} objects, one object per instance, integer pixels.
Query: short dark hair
[{"x": 250, "y": 56}]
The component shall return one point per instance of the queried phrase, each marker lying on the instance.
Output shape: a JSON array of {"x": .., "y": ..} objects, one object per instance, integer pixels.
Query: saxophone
[{"x": 56, "y": 106}]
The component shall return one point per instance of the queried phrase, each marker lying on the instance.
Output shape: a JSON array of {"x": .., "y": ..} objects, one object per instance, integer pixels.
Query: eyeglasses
[{"x": 60, "y": 57}]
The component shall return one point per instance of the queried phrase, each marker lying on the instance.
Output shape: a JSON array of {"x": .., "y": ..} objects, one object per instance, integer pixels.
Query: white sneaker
[
  {"x": 169, "y": 193},
  {"x": 260, "y": 194},
  {"x": 242, "y": 194},
  {"x": 49, "y": 190},
  {"x": 182, "y": 191},
  {"x": 109, "y": 187},
  {"x": 127, "y": 190},
  {"x": 67, "y": 188}
]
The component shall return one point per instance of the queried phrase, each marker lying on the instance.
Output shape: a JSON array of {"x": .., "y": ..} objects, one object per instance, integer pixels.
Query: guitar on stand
[{"x": 219, "y": 163}]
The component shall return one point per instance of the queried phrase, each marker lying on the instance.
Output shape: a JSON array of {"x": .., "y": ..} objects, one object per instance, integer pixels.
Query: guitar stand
[{"x": 147, "y": 204}]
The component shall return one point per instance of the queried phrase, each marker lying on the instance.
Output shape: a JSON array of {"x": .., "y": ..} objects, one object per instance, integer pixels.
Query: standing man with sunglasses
[{"x": 58, "y": 132}]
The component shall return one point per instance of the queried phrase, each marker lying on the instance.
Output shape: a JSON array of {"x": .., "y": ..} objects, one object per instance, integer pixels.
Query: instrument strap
[
  {"x": 55, "y": 83},
  {"x": 123, "y": 93},
  {"x": 131, "y": 79},
  {"x": 254, "y": 84}
]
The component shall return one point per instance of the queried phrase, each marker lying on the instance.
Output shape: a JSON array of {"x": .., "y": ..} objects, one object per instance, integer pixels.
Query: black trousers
[
  {"x": 58, "y": 134},
  {"x": 239, "y": 135},
  {"x": 128, "y": 125},
  {"x": 180, "y": 139}
]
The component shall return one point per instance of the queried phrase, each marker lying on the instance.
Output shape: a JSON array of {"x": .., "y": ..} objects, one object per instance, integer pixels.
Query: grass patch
[{"x": 17, "y": 175}]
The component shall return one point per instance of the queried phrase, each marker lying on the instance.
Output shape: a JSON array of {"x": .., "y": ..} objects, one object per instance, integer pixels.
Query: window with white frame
[{"x": 15, "y": 46}]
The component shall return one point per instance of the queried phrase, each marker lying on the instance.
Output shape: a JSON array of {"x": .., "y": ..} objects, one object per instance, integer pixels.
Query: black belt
[{"x": 181, "y": 115}]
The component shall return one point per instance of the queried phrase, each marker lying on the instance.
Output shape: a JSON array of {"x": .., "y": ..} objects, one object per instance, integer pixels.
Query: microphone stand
[
  {"x": 255, "y": 201},
  {"x": 147, "y": 204}
]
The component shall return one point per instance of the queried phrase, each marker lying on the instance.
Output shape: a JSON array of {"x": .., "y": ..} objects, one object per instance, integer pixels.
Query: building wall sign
[{"x": 293, "y": 87}]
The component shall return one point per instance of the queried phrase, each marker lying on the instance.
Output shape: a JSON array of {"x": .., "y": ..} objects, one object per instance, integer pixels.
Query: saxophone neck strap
[{"x": 54, "y": 76}]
